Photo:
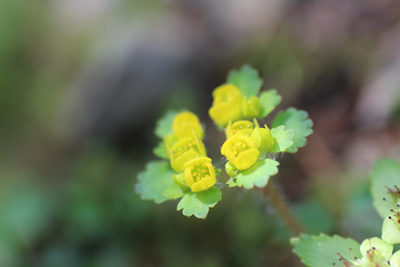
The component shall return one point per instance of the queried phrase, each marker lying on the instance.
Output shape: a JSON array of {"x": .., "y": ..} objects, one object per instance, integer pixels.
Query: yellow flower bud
[
  {"x": 200, "y": 174},
  {"x": 180, "y": 180},
  {"x": 185, "y": 150},
  {"x": 251, "y": 107},
  {"x": 241, "y": 151},
  {"x": 262, "y": 137},
  {"x": 231, "y": 170},
  {"x": 227, "y": 104},
  {"x": 245, "y": 127},
  {"x": 185, "y": 123}
]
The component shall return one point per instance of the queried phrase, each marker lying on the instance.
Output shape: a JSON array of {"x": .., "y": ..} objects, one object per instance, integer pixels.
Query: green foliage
[
  {"x": 321, "y": 251},
  {"x": 269, "y": 100},
  {"x": 288, "y": 132},
  {"x": 161, "y": 151},
  {"x": 164, "y": 124},
  {"x": 385, "y": 175},
  {"x": 155, "y": 180},
  {"x": 198, "y": 204},
  {"x": 313, "y": 217},
  {"x": 282, "y": 139},
  {"x": 246, "y": 79},
  {"x": 258, "y": 175},
  {"x": 298, "y": 121},
  {"x": 174, "y": 192}
]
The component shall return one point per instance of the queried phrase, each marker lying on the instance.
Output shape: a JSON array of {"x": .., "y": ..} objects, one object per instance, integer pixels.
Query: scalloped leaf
[
  {"x": 164, "y": 124},
  {"x": 161, "y": 151},
  {"x": 246, "y": 79},
  {"x": 258, "y": 175},
  {"x": 386, "y": 173},
  {"x": 174, "y": 192},
  {"x": 198, "y": 204},
  {"x": 282, "y": 139},
  {"x": 154, "y": 180},
  {"x": 320, "y": 251},
  {"x": 269, "y": 100},
  {"x": 298, "y": 121}
]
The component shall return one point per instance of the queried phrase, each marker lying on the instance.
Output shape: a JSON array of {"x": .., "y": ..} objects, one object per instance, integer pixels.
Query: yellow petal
[
  {"x": 200, "y": 146},
  {"x": 248, "y": 140},
  {"x": 197, "y": 161},
  {"x": 227, "y": 104},
  {"x": 246, "y": 159},
  {"x": 204, "y": 184},
  {"x": 243, "y": 126},
  {"x": 189, "y": 177},
  {"x": 227, "y": 93},
  {"x": 223, "y": 113},
  {"x": 178, "y": 163},
  {"x": 185, "y": 123}
]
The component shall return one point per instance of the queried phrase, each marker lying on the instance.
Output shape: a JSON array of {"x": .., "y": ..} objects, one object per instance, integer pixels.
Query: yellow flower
[
  {"x": 245, "y": 127},
  {"x": 200, "y": 174},
  {"x": 227, "y": 105},
  {"x": 251, "y": 107},
  {"x": 185, "y": 150},
  {"x": 262, "y": 137},
  {"x": 241, "y": 151},
  {"x": 185, "y": 123}
]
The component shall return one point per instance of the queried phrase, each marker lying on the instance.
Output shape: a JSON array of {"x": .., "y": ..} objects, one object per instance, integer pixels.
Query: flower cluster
[
  {"x": 186, "y": 172},
  {"x": 187, "y": 153},
  {"x": 246, "y": 143},
  {"x": 391, "y": 227},
  {"x": 231, "y": 105},
  {"x": 375, "y": 252}
]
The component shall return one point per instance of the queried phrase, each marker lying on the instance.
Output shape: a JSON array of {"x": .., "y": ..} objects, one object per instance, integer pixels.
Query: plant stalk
[{"x": 280, "y": 205}]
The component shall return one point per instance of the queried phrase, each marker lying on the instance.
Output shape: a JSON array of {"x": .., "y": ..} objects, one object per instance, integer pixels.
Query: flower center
[
  {"x": 199, "y": 171},
  {"x": 239, "y": 147},
  {"x": 185, "y": 147}
]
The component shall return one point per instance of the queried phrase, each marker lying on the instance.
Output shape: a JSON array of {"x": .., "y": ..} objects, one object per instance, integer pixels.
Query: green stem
[{"x": 281, "y": 207}]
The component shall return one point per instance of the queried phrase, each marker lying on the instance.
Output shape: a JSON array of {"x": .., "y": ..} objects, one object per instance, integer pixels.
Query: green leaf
[
  {"x": 298, "y": 121},
  {"x": 232, "y": 182},
  {"x": 386, "y": 172},
  {"x": 199, "y": 203},
  {"x": 154, "y": 181},
  {"x": 269, "y": 100},
  {"x": 246, "y": 79},
  {"x": 258, "y": 175},
  {"x": 313, "y": 217},
  {"x": 282, "y": 139},
  {"x": 321, "y": 251},
  {"x": 164, "y": 124},
  {"x": 174, "y": 192},
  {"x": 161, "y": 151},
  {"x": 391, "y": 231}
]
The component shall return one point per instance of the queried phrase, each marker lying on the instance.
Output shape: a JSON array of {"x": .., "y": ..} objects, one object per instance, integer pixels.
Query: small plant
[
  {"x": 320, "y": 251},
  {"x": 186, "y": 172}
]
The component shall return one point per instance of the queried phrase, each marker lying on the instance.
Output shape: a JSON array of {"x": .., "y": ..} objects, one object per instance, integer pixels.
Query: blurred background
[{"x": 83, "y": 82}]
